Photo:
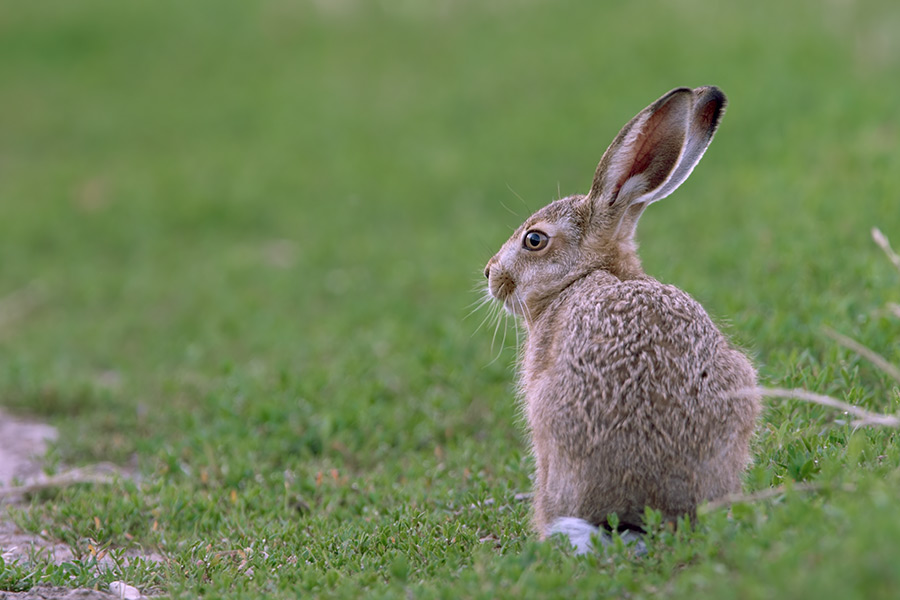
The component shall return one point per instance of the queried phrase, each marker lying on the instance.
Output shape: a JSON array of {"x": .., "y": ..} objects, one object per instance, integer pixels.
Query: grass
[{"x": 248, "y": 234}]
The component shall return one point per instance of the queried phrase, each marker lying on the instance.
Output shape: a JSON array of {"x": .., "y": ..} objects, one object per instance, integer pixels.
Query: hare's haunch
[{"x": 629, "y": 387}]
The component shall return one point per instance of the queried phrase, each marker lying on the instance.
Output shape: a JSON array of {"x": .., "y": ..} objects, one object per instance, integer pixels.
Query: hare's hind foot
[{"x": 586, "y": 538}]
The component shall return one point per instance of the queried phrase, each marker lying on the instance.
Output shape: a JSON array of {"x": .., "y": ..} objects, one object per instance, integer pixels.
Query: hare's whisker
[
  {"x": 496, "y": 329},
  {"x": 478, "y": 305},
  {"x": 522, "y": 306},
  {"x": 521, "y": 199},
  {"x": 509, "y": 210},
  {"x": 505, "y": 331},
  {"x": 487, "y": 317}
]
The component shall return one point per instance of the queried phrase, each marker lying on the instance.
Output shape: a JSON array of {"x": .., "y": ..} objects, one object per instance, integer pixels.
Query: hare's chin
[{"x": 513, "y": 306}]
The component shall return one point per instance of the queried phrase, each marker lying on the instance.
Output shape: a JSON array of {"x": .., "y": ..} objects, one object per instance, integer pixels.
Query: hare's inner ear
[
  {"x": 709, "y": 105},
  {"x": 644, "y": 155}
]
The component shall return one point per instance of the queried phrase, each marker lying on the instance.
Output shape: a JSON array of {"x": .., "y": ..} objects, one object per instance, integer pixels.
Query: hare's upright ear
[{"x": 654, "y": 153}]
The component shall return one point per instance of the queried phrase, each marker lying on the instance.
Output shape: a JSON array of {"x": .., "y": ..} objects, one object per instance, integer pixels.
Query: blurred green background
[{"x": 239, "y": 240}]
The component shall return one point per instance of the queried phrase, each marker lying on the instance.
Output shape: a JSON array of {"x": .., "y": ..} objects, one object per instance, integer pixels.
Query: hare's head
[{"x": 571, "y": 237}]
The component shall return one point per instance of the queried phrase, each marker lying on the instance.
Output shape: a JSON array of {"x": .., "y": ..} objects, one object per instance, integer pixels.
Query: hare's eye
[{"x": 535, "y": 240}]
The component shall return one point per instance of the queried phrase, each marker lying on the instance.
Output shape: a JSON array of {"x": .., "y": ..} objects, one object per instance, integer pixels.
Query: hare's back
[{"x": 644, "y": 336}]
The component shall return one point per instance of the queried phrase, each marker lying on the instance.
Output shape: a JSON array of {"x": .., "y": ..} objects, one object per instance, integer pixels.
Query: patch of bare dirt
[
  {"x": 58, "y": 593},
  {"x": 23, "y": 445}
]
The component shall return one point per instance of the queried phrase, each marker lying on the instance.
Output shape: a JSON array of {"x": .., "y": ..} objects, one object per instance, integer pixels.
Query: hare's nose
[{"x": 487, "y": 271}]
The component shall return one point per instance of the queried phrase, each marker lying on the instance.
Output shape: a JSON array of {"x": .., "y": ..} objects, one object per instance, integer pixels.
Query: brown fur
[{"x": 628, "y": 386}]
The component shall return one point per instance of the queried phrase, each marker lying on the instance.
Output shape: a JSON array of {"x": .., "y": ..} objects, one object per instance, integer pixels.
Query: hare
[{"x": 631, "y": 394}]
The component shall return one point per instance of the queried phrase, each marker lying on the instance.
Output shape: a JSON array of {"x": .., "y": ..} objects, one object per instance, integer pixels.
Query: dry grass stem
[
  {"x": 865, "y": 417},
  {"x": 103, "y": 473},
  {"x": 885, "y": 245},
  {"x": 870, "y": 355},
  {"x": 894, "y": 308}
]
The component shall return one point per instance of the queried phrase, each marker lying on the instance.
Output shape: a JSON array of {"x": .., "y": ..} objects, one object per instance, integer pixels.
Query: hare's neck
[
  {"x": 617, "y": 256},
  {"x": 623, "y": 267},
  {"x": 620, "y": 259},
  {"x": 627, "y": 266}
]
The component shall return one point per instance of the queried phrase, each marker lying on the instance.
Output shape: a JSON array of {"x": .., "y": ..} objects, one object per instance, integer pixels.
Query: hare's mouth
[{"x": 503, "y": 289}]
